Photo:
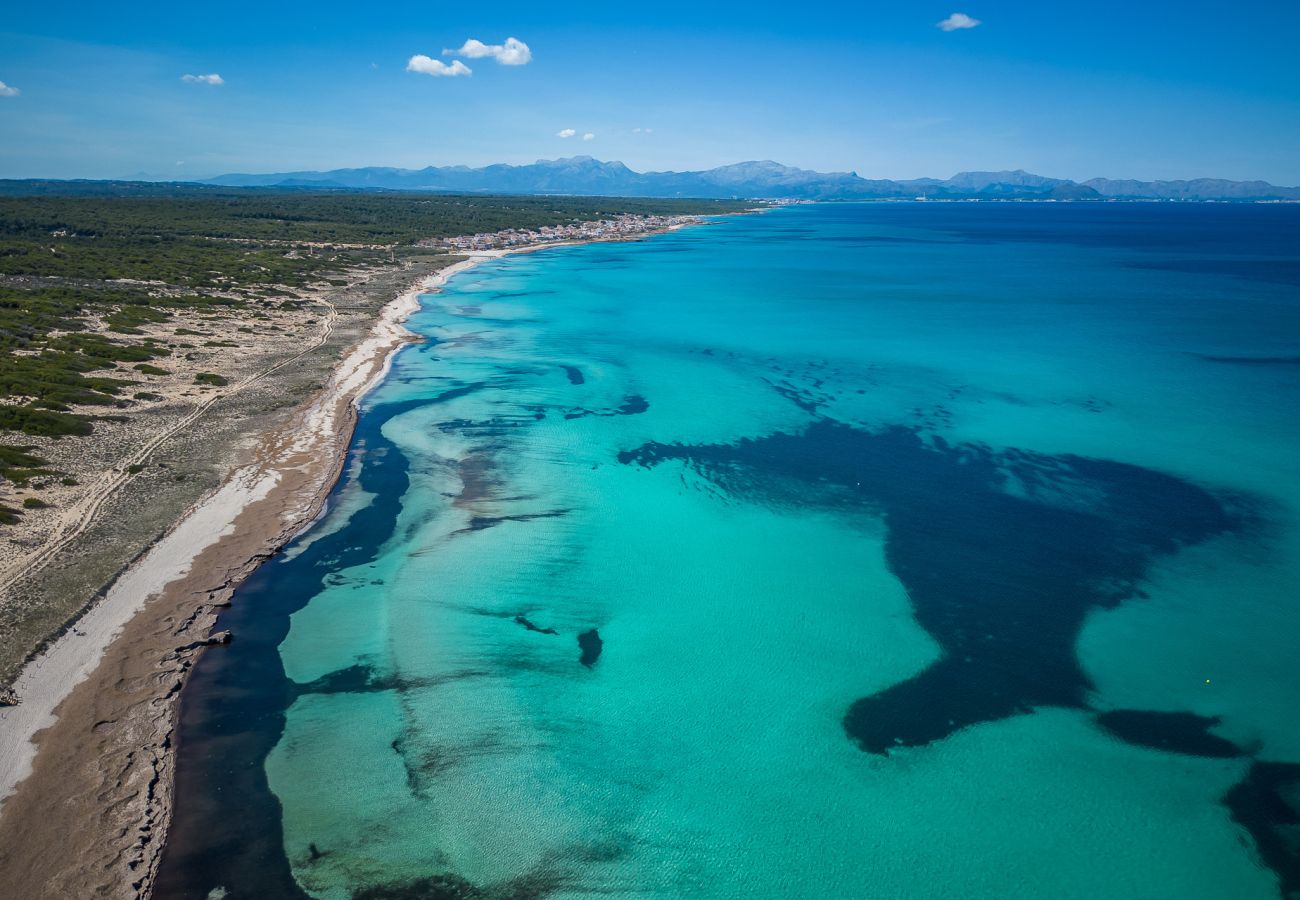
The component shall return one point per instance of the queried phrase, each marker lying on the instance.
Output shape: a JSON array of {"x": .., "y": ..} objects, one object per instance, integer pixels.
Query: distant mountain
[
  {"x": 1196, "y": 189},
  {"x": 586, "y": 176},
  {"x": 1001, "y": 181}
]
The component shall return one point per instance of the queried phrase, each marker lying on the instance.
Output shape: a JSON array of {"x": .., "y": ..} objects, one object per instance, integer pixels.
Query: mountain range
[{"x": 584, "y": 175}]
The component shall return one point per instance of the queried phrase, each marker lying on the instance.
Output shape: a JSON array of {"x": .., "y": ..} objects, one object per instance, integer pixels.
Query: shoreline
[
  {"x": 58, "y": 668},
  {"x": 109, "y": 686}
]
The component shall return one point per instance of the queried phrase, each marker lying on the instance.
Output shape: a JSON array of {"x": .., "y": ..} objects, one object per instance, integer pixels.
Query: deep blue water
[{"x": 846, "y": 550}]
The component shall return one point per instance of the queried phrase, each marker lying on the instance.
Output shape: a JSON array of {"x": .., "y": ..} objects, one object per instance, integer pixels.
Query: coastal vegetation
[
  {"x": 201, "y": 236},
  {"x": 127, "y": 309},
  {"x": 89, "y": 270}
]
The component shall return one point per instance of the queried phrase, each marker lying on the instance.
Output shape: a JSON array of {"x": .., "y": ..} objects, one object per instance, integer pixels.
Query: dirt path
[{"x": 78, "y": 518}]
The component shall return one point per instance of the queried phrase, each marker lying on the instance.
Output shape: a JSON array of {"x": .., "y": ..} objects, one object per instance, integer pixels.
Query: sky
[{"x": 889, "y": 90}]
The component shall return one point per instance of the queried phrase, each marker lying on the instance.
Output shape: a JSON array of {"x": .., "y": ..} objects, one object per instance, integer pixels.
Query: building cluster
[{"x": 623, "y": 226}]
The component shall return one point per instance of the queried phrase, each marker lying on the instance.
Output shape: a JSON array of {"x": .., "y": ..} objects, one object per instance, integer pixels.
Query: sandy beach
[
  {"x": 86, "y": 761},
  {"x": 85, "y": 815}
]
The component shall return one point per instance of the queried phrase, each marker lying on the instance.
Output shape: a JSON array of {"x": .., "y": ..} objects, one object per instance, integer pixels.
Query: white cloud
[
  {"x": 958, "y": 21},
  {"x": 214, "y": 79},
  {"x": 642, "y": 130},
  {"x": 8, "y": 91},
  {"x": 436, "y": 67},
  {"x": 513, "y": 52},
  {"x": 565, "y": 133},
  {"x": 588, "y": 136}
]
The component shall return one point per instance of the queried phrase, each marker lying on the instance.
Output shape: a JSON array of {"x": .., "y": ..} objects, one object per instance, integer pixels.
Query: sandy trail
[{"x": 76, "y": 519}]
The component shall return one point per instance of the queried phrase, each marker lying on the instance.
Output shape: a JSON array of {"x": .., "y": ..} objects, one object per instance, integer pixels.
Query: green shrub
[
  {"x": 19, "y": 464},
  {"x": 42, "y": 422},
  {"x": 128, "y": 319}
]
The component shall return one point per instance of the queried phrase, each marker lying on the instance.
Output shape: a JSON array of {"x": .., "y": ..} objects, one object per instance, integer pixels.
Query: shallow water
[{"x": 846, "y": 550}]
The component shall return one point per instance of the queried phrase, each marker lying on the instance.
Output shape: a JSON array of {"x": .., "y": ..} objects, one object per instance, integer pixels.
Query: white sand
[
  {"x": 317, "y": 430},
  {"x": 48, "y": 678}
]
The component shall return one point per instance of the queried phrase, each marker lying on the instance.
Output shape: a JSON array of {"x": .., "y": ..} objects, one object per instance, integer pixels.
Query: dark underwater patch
[
  {"x": 1003, "y": 555},
  {"x": 1270, "y": 271},
  {"x": 358, "y": 679},
  {"x": 532, "y": 886},
  {"x": 437, "y": 887},
  {"x": 528, "y": 624},
  {"x": 1173, "y": 732},
  {"x": 426, "y": 762},
  {"x": 479, "y": 523},
  {"x": 497, "y": 426},
  {"x": 1267, "y": 804},
  {"x": 574, "y": 374},
  {"x": 633, "y": 404},
  {"x": 591, "y": 645},
  {"x": 363, "y": 678},
  {"x": 507, "y": 295},
  {"x": 852, "y": 239},
  {"x": 1252, "y": 360},
  {"x": 804, "y": 399}
]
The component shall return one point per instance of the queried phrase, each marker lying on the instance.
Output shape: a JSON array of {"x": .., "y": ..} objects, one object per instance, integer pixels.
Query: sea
[{"x": 837, "y": 551}]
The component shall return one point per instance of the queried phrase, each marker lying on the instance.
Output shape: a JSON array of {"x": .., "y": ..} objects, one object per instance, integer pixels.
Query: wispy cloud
[
  {"x": 8, "y": 90},
  {"x": 588, "y": 136},
  {"x": 436, "y": 67},
  {"x": 565, "y": 133},
  {"x": 958, "y": 21},
  {"x": 214, "y": 79},
  {"x": 642, "y": 130},
  {"x": 513, "y": 52}
]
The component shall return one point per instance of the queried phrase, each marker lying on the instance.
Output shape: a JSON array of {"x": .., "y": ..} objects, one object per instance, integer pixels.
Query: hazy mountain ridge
[
  {"x": 1198, "y": 188},
  {"x": 755, "y": 178}
]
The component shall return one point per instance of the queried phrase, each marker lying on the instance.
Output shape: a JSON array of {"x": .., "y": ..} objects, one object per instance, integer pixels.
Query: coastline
[
  {"x": 86, "y": 758},
  {"x": 109, "y": 685}
]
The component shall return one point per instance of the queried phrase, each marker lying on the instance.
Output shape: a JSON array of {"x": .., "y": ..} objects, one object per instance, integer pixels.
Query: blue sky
[{"x": 1147, "y": 90}]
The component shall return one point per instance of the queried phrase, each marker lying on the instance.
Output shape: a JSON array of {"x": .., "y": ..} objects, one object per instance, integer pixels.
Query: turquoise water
[{"x": 842, "y": 551}]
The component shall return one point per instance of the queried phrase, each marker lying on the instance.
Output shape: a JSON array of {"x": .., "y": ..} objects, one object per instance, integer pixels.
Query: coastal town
[{"x": 614, "y": 229}]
